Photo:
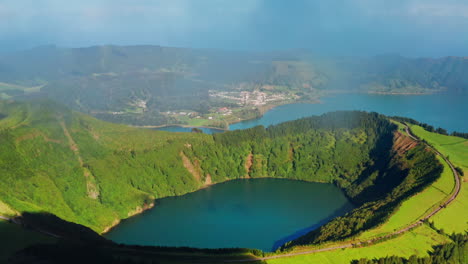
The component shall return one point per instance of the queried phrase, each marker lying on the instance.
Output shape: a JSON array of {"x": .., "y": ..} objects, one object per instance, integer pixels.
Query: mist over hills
[{"x": 135, "y": 84}]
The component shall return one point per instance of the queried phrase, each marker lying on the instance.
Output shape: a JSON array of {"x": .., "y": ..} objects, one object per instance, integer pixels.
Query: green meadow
[
  {"x": 455, "y": 148},
  {"x": 417, "y": 206},
  {"x": 416, "y": 242},
  {"x": 454, "y": 218}
]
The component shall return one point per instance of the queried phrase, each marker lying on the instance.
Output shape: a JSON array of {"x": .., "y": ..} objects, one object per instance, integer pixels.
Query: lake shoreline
[
  {"x": 263, "y": 111},
  {"x": 181, "y": 125},
  {"x": 134, "y": 239},
  {"x": 152, "y": 205},
  {"x": 318, "y": 100}
]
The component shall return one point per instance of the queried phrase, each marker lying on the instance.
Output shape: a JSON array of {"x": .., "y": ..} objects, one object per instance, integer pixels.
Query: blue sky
[{"x": 341, "y": 27}]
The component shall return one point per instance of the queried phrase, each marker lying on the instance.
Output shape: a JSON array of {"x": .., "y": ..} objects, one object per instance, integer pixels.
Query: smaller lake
[
  {"x": 440, "y": 110},
  {"x": 253, "y": 213}
]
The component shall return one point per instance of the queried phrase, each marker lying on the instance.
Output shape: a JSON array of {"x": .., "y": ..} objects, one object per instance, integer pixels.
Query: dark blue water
[
  {"x": 440, "y": 110},
  {"x": 255, "y": 213}
]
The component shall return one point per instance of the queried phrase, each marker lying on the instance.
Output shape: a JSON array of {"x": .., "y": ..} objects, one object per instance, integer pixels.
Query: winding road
[
  {"x": 455, "y": 174},
  {"x": 397, "y": 232}
]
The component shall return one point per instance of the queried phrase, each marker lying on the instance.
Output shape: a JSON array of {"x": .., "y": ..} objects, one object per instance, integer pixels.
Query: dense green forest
[{"x": 95, "y": 173}]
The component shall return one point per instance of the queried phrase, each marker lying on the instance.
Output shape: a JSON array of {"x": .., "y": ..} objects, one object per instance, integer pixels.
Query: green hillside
[
  {"x": 94, "y": 173},
  {"x": 84, "y": 170}
]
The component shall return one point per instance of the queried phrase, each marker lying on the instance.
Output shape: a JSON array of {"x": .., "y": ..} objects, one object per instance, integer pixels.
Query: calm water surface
[
  {"x": 255, "y": 213},
  {"x": 440, "y": 110}
]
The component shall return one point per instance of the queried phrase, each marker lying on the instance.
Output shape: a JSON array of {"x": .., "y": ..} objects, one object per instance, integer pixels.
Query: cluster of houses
[
  {"x": 243, "y": 98},
  {"x": 225, "y": 111},
  {"x": 182, "y": 113}
]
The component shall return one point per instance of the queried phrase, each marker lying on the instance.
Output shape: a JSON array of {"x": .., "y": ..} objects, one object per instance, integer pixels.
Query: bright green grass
[
  {"x": 401, "y": 127},
  {"x": 197, "y": 122},
  {"x": 5, "y": 210},
  {"x": 454, "y": 147},
  {"x": 454, "y": 218},
  {"x": 417, "y": 206},
  {"x": 416, "y": 242},
  {"x": 14, "y": 238}
]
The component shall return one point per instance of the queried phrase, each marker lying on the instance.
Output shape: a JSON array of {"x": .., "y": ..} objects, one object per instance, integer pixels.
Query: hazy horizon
[{"x": 415, "y": 28}]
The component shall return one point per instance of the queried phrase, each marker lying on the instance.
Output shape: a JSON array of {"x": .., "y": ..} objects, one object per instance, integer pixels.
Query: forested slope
[{"x": 95, "y": 173}]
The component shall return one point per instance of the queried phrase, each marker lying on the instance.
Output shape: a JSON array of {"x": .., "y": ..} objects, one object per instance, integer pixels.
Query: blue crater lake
[{"x": 251, "y": 213}]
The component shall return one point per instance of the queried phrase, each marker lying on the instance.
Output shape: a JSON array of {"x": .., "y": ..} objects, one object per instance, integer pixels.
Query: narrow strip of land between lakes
[{"x": 369, "y": 242}]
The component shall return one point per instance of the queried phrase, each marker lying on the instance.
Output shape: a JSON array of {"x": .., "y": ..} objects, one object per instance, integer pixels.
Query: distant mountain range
[{"x": 102, "y": 80}]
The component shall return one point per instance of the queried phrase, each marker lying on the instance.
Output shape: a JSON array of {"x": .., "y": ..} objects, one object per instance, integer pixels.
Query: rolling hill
[{"x": 140, "y": 84}]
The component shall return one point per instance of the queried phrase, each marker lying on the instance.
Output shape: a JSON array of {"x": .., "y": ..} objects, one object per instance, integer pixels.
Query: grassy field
[
  {"x": 455, "y": 217},
  {"x": 417, "y": 206},
  {"x": 5, "y": 210},
  {"x": 454, "y": 147},
  {"x": 416, "y": 242},
  {"x": 14, "y": 238}
]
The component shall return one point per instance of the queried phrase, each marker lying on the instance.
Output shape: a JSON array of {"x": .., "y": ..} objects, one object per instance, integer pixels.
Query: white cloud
[{"x": 439, "y": 9}]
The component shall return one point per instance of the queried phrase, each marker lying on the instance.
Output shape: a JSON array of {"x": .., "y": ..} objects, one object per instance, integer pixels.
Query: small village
[
  {"x": 246, "y": 98},
  {"x": 222, "y": 111}
]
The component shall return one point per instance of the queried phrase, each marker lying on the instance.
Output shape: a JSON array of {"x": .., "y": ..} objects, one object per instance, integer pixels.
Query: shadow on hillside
[
  {"x": 339, "y": 212},
  {"x": 79, "y": 244},
  {"x": 14, "y": 238}
]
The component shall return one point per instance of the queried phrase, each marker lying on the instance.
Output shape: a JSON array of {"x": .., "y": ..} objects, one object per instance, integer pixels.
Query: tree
[{"x": 197, "y": 130}]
